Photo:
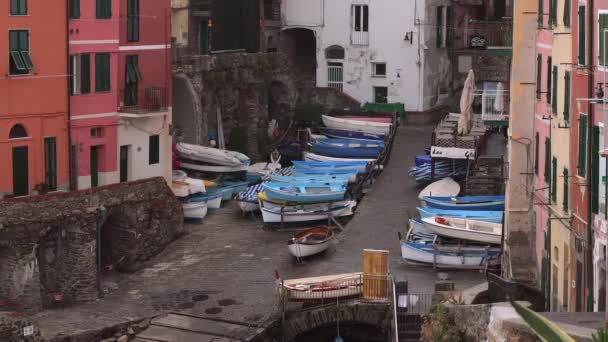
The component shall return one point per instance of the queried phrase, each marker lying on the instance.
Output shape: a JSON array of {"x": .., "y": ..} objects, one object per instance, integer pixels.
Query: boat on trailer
[
  {"x": 310, "y": 242},
  {"x": 478, "y": 203},
  {"x": 465, "y": 229}
]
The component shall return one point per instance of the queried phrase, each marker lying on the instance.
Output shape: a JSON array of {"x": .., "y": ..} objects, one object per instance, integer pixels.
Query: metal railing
[
  {"x": 414, "y": 303},
  {"x": 483, "y": 35},
  {"x": 335, "y": 77},
  {"x": 146, "y": 100},
  {"x": 494, "y": 105},
  {"x": 359, "y": 38}
]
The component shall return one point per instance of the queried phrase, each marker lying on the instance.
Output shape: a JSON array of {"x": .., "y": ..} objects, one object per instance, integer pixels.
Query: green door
[
  {"x": 124, "y": 163},
  {"x": 20, "y": 171},
  {"x": 499, "y": 9},
  {"x": 94, "y": 166},
  {"x": 203, "y": 38}
]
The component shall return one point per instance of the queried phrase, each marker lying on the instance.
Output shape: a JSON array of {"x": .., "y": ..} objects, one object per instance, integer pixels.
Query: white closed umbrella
[
  {"x": 466, "y": 105},
  {"x": 499, "y": 102}
]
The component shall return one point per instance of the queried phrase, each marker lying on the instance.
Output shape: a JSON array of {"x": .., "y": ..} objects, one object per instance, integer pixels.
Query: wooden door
[
  {"x": 375, "y": 274},
  {"x": 94, "y": 166},
  {"x": 20, "y": 171}
]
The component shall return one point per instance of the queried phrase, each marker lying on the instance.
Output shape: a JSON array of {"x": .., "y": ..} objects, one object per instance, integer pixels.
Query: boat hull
[
  {"x": 354, "y": 125},
  {"x": 212, "y": 168},
  {"x": 345, "y": 152},
  {"x": 323, "y": 288},
  {"x": 211, "y": 155},
  {"x": 308, "y": 156},
  {"x": 446, "y": 187},
  {"x": 195, "y": 210},
  {"x": 298, "y": 215},
  {"x": 354, "y": 135},
  {"x": 214, "y": 201},
  {"x": 287, "y": 192},
  {"x": 468, "y": 260},
  {"x": 486, "y": 216},
  {"x": 445, "y": 203},
  {"x": 464, "y": 232},
  {"x": 302, "y": 251}
]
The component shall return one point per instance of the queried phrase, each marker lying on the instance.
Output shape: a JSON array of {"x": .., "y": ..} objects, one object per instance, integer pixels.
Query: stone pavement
[{"x": 225, "y": 267}]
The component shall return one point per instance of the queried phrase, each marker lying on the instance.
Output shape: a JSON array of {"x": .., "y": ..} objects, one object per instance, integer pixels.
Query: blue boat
[
  {"x": 310, "y": 178},
  {"x": 350, "y": 143},
  {"x": 359, "y": 166},
  {"x": 485, "y": 216},
  {"x": 479, "y": 203},
  {"x": 237, "y": 186},
  {"x": 344, "y": 134},
  {"x": 302, "y": 172},
  {"x": 422, "y": 160},
  {"x": 346, "y": 151},
  {"x": 225, "y": 192},
  {"x": 305, "y": 192}
]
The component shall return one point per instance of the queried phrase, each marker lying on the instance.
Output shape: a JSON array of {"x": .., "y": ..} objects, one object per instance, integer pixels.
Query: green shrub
[{"x": 440, "y": 327}]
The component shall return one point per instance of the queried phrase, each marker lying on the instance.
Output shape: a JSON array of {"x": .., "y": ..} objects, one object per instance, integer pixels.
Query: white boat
[
  {"x": 307, "y": 207},
  {"x": 178, "y": 175},
  {"x": 248, "y": 207},
  {"x": 323, "y": 288},
  {"x": 356, "y": 125},
  {"x": 263, "y": 169},
  {"x": 295, "y": 214},
  {"x": 180, "y": 189},
  {"x": 195, "y": 210},
  {"x": 446, "y": 187},
  {"x": 310, "y": 242},
  {"x": 465, "y": 229},
  {"x": 213, "y": 168},
  {"x": 211, "y": 155},
  {"x": 309, "y": 156},
  {"x": 195, "y": 185}
]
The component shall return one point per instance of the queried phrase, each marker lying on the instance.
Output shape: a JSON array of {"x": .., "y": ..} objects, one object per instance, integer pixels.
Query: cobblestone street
[{"x": 225, "y": 267}]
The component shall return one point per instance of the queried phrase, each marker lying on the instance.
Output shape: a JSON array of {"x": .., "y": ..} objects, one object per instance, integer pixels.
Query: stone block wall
[
  {"x": 12, "y": 328},
  {"x": 48, "y": 244},
  {"x": 487, "y": 67}
]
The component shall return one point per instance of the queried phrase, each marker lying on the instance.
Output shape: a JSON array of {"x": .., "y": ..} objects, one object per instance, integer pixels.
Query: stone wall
[
  {"x": 12, "y": 328},
  {"x": 48, "y": 244},
  {"x": 487, "y": 67}
]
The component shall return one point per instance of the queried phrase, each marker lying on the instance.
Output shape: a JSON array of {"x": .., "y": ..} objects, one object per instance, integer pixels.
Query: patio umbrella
[
  {"x": 499, "y": 102},
  {"x": 466, "y": 104}
]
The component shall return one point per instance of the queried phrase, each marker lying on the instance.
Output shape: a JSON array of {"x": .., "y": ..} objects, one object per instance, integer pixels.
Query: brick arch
[{"x": 297, "y": 323}]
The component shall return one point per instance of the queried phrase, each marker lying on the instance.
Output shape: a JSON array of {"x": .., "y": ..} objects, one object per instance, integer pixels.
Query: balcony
[
  {"x": 493, "y": 104},
  {"x": 146, "y": 102},
  {"x": 493, "y": 36}
]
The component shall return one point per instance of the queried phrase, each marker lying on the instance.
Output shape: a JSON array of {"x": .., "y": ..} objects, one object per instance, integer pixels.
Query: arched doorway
[
  {"x": 300, "y": 45},
  {"x": 20, "y": 162}
]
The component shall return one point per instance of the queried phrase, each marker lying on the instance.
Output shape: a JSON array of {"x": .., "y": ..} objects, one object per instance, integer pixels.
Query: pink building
[
  {"x": 544, "y": 46},
  {"x": 93, "y": 49}
]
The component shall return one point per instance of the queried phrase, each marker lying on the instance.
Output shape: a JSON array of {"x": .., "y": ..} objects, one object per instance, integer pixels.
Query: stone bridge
[
  {"x": 49, "y": 243},
  {"x": 373, "y": 314}
]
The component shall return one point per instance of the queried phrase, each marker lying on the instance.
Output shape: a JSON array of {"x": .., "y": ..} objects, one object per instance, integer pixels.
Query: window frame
[
  {"x": 375, "y": 88},
  {"x": 582, "y": 34},
  {"x": 567, "y": 17},
  {"x": 101, "y": 86},
  {"x": 565, "y": 199},
  {"x": 539, "y": 75},
  {"x": 582, "y": 145},
  {"x": 20, "y": 11},
  {"x": 555, "y": 84},
  {"x": 537, "y": 152},
  {"x": 567, "y": 89},
  {"x": 374, "y": 70},
  {"x": 50, "y": 163},
  {"x": 132, "y": 78},
  {"x": 360, "y": 18},
  {"x": 547, "y": 173},
  {"x": 17, "y": 63},
  {"x": 602, "y": 14}
]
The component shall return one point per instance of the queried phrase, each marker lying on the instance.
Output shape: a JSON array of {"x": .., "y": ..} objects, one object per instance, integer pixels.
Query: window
[
  {"x": 582, "y": 144},
  {"x": 567, "y": 96},
  {"x": 380, "y": 94},
  {"x": 102, "y": 72},
  {"x": 595, "y": 169},
  {"x": 361, "y": 18},
  {"x": 96, "y": 132},
  {"x": 566, "y": 182},
  {"x": 17, "y": 131},
  {"x": 566, "y": 17},
  {"x": 379, "y": 69},
  {"x": 153, "y": 149},
  {"x": 539, "y": 74},
  {"x": 272, "y": 10},
  {"x": 74, "y": 9},
  {"x": 132, "y": 77},
  {"x": 536, "y": 150},
  {"x": 133, "y": 20},
  {"x": 554, "y": 93},
  {"x": 540, "y": 13},
  {"x": 19, "y": 52},
  {"x": 335, "y": 73},
  {"x": 80, "y": 66},
  {"x": 603, "y": 37},
  {"x": 547, "y": 173},
  {"x": 552, "y": 13},
  {"x": 582, "y": 39},
  {"x": 18, "y": 7},
  {"x": 554, "y": 181},
  {"x": 549, "y": 80},
  {"x": 440, "y": 26},
  {"x": 50, "y": 163},
  {"x": 103, "y": 9}
]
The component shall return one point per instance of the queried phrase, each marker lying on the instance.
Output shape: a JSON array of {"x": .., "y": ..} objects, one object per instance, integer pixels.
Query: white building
[{"x": 374, "y": 51}]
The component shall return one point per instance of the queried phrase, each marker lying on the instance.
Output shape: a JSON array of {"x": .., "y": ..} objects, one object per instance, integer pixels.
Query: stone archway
[{"x": 300, "y": 44}]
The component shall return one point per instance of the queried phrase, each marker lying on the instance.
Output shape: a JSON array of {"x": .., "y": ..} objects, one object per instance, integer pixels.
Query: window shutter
[
  {"x": 595, "y": 172},
  {"x": 536, "y": 151},
  {"x": 102, "y": 71},
  {"x": 582, "y": 39},
  {"x": 567, "y": 96},
  {"x": 365, "y": 18},
  {"x": 554, "y": 93},
  {"x": 567, "y": 10},
  {"x": 549, "y": 81},
  {"x": 547, "y": 173},
  {"x": 539, "y": 74},
  {"x": 448, "y": 20},
  {"x": 566, "y": 192},
  {"x": 74, "y": 9},
  {"x": 554, "y": 181},
  {"x": 85, "y": 73},
  {"x": 439, "y": 26},
  {"x": 603, "y": 38},
  {"x": 582, "y": 146},
  {"x": 540, "y": 13}
]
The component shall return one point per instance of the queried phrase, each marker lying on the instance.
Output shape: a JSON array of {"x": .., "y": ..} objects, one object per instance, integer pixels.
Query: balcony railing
[
  {"x": 494, "y": 105},
  {"x": 483, "y": 35},
  {"x": 144, "y": 101}
]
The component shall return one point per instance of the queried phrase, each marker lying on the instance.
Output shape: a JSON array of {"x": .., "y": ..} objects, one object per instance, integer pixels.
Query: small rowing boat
[
  {"x": 354, "y": 135},
  {"x": 277, "y": 213},
  {"x": 305, "y": 192},
  {"x": 446, "y": 187},
  {"x": 310, "y": 242},
  {"x": 465, "y": 229},
  {"x": 487, "y": 216},
  {"x": 478, "y": 203},
  {"x": 324, "y": 288},
  {"x": 355, "y": 125},
  {"x": 211, "y": 155}
]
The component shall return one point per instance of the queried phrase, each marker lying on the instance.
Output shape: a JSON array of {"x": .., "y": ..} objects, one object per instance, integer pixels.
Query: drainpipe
[
  {"x": 69, "y": 127},
  {"x": 588, "y": 164},
  {"x": 101, "y": 215}
]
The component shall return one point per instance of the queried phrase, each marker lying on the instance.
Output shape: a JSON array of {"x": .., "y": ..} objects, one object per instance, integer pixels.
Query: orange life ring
[{"x": 442, "y": 220}]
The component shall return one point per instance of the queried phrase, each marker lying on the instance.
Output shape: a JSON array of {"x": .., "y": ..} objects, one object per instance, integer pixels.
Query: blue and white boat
[
  {"x": 466, "y": 202},
  {"x": 310, "y": 178},
  {"x": 237, "y": 186},
  {"x": 344, "y": 134},
  {"x": 359, "y": 166},
  {"x": 247, "y": 200},
  {"x": 346, "y": 150},
  {"x": 350, "y": 143},
  {"x": 486, "y": 216},
  {"x": 214, "y": 201},
  {"x": 352, "y": 174},
  {"x": 225, "y": 192},
  {"x": 426, "y": 249},
  {"x": 305, "y": 192}
]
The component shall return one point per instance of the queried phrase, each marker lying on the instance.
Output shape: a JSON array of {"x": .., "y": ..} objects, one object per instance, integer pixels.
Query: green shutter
[
  {"x": 539, "y": 74},
  {"x": 567, "y": 10},
  {"x": 18, "y": 7},
  {"x": 549, "y": 78},
  {"x": 103, "y": 9},
  {"x": 566, "y": 192},
  {"x": 582, "y": 39},
  {"x": 18, "y": 49},
  {"x": 582, "y": 144},
  {"x": 554, "y": 93},
  {"x": 547, "y": 172},
  {"x": 154, "y": 150},
  {"x": 74, "y": 9},
  {"x": 552, "y": 13},
  {"x": 595, "y": 170},
  {"x": 448, "y": 21},
  {"x": 85, "y": 72},
  {"x": 567, "y": 96},
  {"x": 536, "y": 150},
  {"x": 540, "y": 13},
  {"x": 554, "y": 181},
  {"x": 439, "y": 27},
  {"x": 132, "y": 20},
  {"x": 603, "y": 38},
  {"x": 102, "y": 72}
]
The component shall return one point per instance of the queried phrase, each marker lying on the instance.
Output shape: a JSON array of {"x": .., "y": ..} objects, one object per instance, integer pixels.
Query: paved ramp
[{"x": 178, "y": 327}]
